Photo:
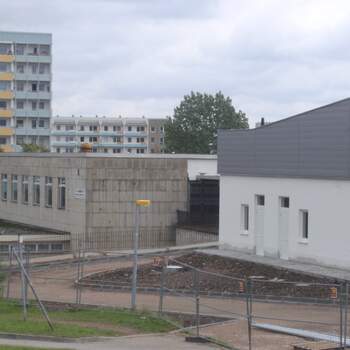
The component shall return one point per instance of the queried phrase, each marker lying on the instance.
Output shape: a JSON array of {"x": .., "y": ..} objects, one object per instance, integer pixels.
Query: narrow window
[
  {"x": 4, "y": 187},
  {"x": 260, "y": 200},
  {"x": 14, "y": 188},
  {"x": 284, "y": 202},
  {"x": 304, "y": 224},
  {"x": 245, "y": 217},
  {"x": 48, "y": 192},
  {"x": 36, "y": 190},
  {"x": 61, "y": 193},
  {"x": 25, "y": 189}
]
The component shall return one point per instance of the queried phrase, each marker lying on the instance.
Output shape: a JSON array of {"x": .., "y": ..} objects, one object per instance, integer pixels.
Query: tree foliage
[
  {"x": 193, "y": 127},
  {"x": 33, "y": 148}
]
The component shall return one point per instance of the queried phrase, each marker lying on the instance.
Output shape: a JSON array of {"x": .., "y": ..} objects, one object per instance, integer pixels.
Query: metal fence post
[
  {"x": 9, "y": 273},
  {"x": 248, "y": 294},
  {"x": 346, "y": 301},
  {"x": 23, "y": 280},
  {"x": 161, "y": 289},
  {"x": 196, "y": 290},
  {"x": 341, "y": 329},
  {"x": 77, "y": 280}
]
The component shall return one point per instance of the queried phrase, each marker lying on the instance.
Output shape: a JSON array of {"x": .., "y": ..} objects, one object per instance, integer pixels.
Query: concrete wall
[
  {"x": 101, "y": 194},
  {"x": 327, "y": 202},
  {"x": 71, "y": 219},
  {"x": 115, "y": 183}
]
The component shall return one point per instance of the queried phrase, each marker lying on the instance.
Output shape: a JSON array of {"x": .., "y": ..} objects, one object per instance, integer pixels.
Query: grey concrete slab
[
  {"x": 311, "y": 269},
  {"x": 144, "y": 342}
]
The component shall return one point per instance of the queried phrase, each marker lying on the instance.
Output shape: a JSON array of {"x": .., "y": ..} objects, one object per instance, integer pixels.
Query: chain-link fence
[{"x": 241, "y": 313}]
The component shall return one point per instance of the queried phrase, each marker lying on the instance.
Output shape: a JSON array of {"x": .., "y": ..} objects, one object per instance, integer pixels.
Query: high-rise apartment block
[
  {"x": 107, "y": 135},
  {"x": 25, "y": 89}
]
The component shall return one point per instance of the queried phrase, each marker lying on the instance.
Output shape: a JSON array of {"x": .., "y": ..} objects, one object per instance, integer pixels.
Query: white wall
[
  {"x": 328, "y": 204},
  {"x": 206, "y": 166}
]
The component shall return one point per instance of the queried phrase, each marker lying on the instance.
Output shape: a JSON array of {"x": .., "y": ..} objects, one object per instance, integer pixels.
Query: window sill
[
  {"x": 244, "y": 233},
  {"x": 303, "y": 241},
  {"x": 48, "y": 206}
]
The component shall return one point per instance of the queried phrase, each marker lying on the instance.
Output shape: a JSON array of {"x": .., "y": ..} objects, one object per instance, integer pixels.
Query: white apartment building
[
  {"x": 107, "y": 135},
  {"x": 285, "y": 187},
  {"x": 25, "y": 89}
]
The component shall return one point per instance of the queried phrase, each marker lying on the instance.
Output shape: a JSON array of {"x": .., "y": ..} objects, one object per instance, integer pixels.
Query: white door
[
  {"x": 259, "y": 229},
  {"x": 283, "y": 228}
]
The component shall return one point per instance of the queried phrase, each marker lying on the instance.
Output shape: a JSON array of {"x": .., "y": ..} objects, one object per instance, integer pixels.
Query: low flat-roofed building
[{"x": 92, "y": 196}]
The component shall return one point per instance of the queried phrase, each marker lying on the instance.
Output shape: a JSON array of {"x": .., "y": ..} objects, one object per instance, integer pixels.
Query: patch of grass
[
  {"x": 142, "y": 321},
  {"x": 10, "y": 347},
  {"x": 70, "y": 322}
]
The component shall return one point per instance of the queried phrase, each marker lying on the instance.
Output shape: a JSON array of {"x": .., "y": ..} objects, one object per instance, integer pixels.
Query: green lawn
[
  {"x": 73, "y": 323},
  {"x": 9, "y": 347}
]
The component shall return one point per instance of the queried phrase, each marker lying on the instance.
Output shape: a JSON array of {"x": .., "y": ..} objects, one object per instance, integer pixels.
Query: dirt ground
[
  {"x": 57, "y": 284},
  {"x": 266, "y": 280}
]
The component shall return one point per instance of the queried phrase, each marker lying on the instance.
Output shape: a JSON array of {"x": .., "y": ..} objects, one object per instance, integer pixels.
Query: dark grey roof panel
[{"x": 312, "y": 144}]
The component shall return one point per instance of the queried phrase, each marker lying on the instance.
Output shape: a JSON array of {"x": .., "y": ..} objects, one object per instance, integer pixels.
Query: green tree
[
  {"x": 33, "y": 148},
  {"x": 193, "y": 127}
]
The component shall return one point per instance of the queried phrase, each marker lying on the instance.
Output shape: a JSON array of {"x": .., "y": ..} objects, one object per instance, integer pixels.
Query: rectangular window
[
  {"x": 34, "y": 105},
  {"x": 34, "y": 87},
  {"x": 245, "y": 217},
  {"x": 20, "y": 85},
  {"x": 41, "y": 123},
  {"x": 25, "y": 189},
  {"x": 105, "y": 128},
  {"x": 41, "y": 105},
  {"x": 56, "y": 246},
  {"x": 61, "y": 193},
  {"x": 129, "y": 139},
  {"x": 33, "y": 123},
  {"x": 3, "y": 104},
  {"x": 304, "y": 224},
  {"x": 3, "y": 122},
  {"x": 43, "y": 247},
  {"x": 48, "y": 192},
  {"x": 82, "y": 139},
  {"x": 284, "y": 202},
  {"x": 19, "y": 123},
  {"x": 20, "y": 67},
  {"x": 129, "y": 128},
  {"x": 14, "y": 188},
  {"x": 36, "y": 190},
  {"x": 4, "y": 187},
  {"x": 260, "y": 200},
  {"x": 19, "y": 104}
]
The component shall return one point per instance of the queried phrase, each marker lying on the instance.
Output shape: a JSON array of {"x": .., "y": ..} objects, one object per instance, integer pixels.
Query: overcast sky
[{"x": 140, "y": 57}]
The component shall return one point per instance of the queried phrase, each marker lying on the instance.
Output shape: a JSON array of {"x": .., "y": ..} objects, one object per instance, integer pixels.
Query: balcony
[
  {"x": 110, "y": 144},
  {"x": 111, "y": 133},
  {"x": 7, "y": 58},
  {"x": 31, "y": 76},
  {"x": 42, "y": 113},
  {"x": 64, "y": 143},
  {"x": 7, "y": 148},
  {"x": 42, "y": 95},
  {"x": 63, "y": 132},
  {"x": 6, "y": 131},
  {"x": 135, "y": 145},
  {"x": 6, "y": 95},
  {"x": 32, "y": 132},
  {"x": 33, "y": 58},
  {"x": 6, "y": 113},
  {"x": 135, "y": 134},
  {"x": 7, "y": 76}
]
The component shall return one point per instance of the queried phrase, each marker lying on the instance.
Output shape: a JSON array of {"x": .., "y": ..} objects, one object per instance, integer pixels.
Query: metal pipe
[
  {"x": 42, "y": 308},
  {"x": 134, "y": 271}
]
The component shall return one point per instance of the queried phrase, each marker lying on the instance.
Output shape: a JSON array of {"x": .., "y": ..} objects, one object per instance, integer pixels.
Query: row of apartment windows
[
  {"x": 22, "y": 49},
  {"x": 283, "y": 203},
  {"x": 105, "y": 150},
  {"x": 33, "y": 104},
  {"x": 35, "y": 123},
  {"x": 24, "y": 182},
  {"x": 96, "y": 128},
  {"x": 35, "y": 247}
]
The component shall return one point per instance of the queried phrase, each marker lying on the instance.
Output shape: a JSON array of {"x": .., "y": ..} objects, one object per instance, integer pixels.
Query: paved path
[
  {"x": 308, "y": 268},
  {"x": 148, "y": 342}
]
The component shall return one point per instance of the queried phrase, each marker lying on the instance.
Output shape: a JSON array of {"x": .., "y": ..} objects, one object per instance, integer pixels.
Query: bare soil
[{"x": 220, "y": 275}]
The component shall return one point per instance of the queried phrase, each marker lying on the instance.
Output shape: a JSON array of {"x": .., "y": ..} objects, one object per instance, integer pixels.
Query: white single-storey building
[{"x": 285, "y": 187}]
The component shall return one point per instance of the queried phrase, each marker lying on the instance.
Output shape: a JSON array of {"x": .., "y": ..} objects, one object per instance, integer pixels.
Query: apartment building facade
[
  {"x": 107, "y": 135},
  {"x": 25, "y": 89}
]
